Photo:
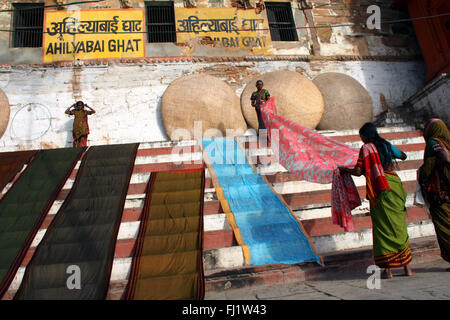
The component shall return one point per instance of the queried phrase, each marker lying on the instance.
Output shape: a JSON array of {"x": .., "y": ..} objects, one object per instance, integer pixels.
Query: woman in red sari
[{"x": 80, "y": 123}]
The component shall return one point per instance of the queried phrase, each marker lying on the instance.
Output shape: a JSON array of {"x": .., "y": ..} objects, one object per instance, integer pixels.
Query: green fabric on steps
[
  {"x": 84, "y": 232},
  {"x": 26, "y": 204}
]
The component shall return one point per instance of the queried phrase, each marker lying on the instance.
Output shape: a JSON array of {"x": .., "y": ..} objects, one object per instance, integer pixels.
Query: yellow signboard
[
  {"x": 227, "y": 27},
  {"x": 93, "y": 34}
]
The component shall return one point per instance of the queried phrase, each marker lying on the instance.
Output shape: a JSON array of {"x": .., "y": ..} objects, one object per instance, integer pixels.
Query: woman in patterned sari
[
  {"x": 387, "y": 199},
  {"x": 434, "y": 177},
  {"x": 80, "y": 123}
]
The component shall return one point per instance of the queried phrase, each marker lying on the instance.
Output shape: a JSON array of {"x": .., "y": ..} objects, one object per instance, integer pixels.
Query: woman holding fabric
[
  {"x": 434, "y": 177},
  {"x": 387, "y": 199},
  {"x": 80, "y": 123}
]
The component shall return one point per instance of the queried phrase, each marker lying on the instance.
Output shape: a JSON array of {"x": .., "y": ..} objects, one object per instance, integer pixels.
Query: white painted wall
[
  {"x": 434, "y": 99},
  {"x": 127, "y": 96}
]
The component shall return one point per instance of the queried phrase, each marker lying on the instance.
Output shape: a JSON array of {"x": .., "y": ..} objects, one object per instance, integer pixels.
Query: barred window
[
  {"x": 28, "y": 19},
  {"x": 160, "y": 21},
  {"x": 281, "y": 21}
]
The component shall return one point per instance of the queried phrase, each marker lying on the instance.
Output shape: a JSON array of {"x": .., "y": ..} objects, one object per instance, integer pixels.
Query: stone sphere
[
  {"x": 347, "y": 103},
  {"x": 296, "y": 98},
  {"x": 4, "y": 112},
  {"x": 204, "y": 99}
]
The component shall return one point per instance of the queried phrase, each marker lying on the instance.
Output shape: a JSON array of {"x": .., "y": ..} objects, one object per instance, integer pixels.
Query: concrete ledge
[
  {"x": 424, "y": 249},
  {"x": 232, "y": 257},
  {"x": 324, "y": 226},
  {"x": 392, "y": 132},
  {"x": 361, "y": 238},
  {"x": 153, "y": 58}
]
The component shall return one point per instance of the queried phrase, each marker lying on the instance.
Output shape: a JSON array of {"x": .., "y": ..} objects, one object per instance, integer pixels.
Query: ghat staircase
[{"x": 223, "y": 257}]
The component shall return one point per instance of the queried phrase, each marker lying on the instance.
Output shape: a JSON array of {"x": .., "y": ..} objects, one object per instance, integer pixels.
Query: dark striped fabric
[
  {"x": 11, "y": 163},
  {"x": 26, "y": 204},
  {"x": 81, "y": 239},
  {"x": 167, "y": 264}
]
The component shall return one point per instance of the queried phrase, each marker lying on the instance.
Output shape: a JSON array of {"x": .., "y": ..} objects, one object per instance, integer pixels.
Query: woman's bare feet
[
  {"x": 387, "y": 274},
  {"x": 408, "y": 271}
]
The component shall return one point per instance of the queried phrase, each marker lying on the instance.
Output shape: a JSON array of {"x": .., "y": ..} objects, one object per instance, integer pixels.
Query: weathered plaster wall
[
  {"x": 7, "y": 53},
  {"x": 127, "y": 96},
  {"x": 433, "y": 101},
  {"x": 395, "y": 39},
  {"x": 346, "y": 40}
]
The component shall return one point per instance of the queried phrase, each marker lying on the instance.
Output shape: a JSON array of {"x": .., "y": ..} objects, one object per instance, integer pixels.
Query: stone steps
[
  {"x": 310, "y": 201},
  {"x": 423, "y": 250}
]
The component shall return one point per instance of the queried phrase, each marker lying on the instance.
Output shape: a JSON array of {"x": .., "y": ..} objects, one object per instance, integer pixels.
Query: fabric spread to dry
[
  {"x": 262, "y": 221},
  {"x": 81, "y": 238},
  {"x": 24, "y": 207},
  {"x": 11, "y": 163},
  {"x": 314, "y": 157},
  {"x": 167, "y": 263}
]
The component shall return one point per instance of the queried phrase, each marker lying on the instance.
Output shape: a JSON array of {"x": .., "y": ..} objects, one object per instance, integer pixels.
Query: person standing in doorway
[
  {"x": 80, "y": 123},
  {"x": 258, "y": 98}
]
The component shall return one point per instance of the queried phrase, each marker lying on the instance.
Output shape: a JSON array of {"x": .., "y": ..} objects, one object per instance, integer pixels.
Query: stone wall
[{"x": 127, "y": 96}]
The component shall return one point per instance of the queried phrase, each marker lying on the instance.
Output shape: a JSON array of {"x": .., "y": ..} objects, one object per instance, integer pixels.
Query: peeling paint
[
  {"x": 136, "y": 90},
  {"x": 235, "y": 75}
]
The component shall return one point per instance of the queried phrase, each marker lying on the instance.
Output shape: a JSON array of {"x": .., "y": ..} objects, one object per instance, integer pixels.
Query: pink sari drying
[
  {"x": 344, "y": 198},
  {"x": 314, "y": 157}
]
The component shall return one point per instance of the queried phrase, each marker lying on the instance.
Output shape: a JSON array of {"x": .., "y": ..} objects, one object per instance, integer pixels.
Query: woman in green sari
[
  {"x": 387, "y": 199},
  {"x": 434, "y": 177}
]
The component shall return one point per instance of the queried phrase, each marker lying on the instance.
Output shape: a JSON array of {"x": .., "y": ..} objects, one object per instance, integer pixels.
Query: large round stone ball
[
  {"x": 4, "y": 112},
  {"x": 347, "y": 103},
  {"x": 296, "y": 98},
  {"x": 202, "y": 101}
]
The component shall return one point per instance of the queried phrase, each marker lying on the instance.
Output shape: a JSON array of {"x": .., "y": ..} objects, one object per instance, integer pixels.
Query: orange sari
[{"x": 80, "y": 128}]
